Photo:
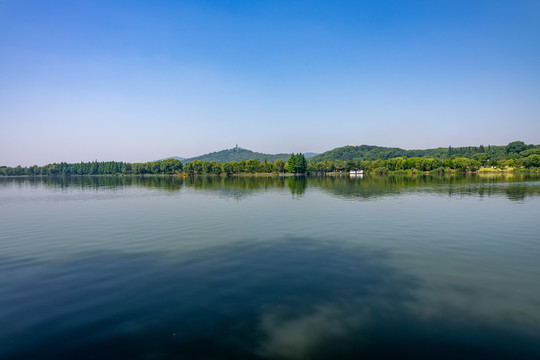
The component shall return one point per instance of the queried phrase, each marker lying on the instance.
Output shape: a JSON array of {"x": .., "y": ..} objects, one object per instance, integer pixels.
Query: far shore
[{"x": 482, "y": 171}]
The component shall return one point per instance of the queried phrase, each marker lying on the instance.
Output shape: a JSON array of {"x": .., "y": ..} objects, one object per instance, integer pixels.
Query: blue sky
[{"x": 143, "y": 80}]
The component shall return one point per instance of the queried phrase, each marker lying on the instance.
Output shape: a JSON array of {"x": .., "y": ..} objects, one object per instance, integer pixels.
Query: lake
[{"x": 378, "y": 267}]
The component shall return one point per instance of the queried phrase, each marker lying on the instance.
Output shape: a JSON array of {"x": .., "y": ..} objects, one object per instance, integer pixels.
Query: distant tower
[{"x": 236, "y": 148}]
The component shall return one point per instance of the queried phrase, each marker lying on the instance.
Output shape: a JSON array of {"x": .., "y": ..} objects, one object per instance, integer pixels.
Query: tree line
[
  {"x": 297, "y": 163},
  {"x": 403, "y": 163},
  {"x": 169, "y": 166},
  {"x": 514, "y": 150}
]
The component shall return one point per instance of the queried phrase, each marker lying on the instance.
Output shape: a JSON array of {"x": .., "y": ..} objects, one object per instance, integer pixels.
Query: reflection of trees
[
  {"x": 169, "y": 183},
  {"x": 297, "y": 184},
  {"x": 236, "y": 187},
  {"x": 240, "y": 182},
  {"x": 513, "y": 186},
  {"x": 518, "y": 192}
]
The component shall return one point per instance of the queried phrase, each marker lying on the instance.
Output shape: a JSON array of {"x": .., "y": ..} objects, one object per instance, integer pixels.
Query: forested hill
[
  {"x": 179, "y": 158},
  {"x": 176, "y": 157},
  {"x": 368, "y": 152},
  {"x": 238, "y": 154}
]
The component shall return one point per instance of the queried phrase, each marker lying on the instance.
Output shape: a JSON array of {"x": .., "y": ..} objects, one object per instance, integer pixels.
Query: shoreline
[{"x": 319, "y": 174}]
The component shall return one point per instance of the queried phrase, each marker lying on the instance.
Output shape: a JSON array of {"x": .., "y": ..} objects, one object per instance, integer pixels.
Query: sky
[{"x": 139, "y": 81}]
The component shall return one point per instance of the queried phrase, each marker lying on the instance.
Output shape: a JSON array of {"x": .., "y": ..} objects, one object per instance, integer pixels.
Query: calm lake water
[{"x": 270, "y": 268}]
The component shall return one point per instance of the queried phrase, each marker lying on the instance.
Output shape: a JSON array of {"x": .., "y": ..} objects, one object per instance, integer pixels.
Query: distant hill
[
  {"x": 175, "y": 157},
  {"x": 370, "y": 152},
  {"x": 238, "y": 154},
  {"x": 309, "y": 155}
]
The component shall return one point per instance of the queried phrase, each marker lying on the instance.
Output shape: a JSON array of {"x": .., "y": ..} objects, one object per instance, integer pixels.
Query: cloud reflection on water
[
  {"x": 294, "y": 298},
  {"x": 296, "y": 337}
]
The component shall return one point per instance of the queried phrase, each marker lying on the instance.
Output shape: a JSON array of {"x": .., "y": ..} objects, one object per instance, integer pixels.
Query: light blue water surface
[{"x": 270, "y": 268}]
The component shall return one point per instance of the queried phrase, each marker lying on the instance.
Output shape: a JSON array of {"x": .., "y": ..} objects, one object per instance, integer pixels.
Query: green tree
[
  {"x": 188, "y": 168},
  {"x": 297, "y": 163},
  {"x": 252, "y": 165},
  {"x": 228, "y": 168},
  {"x": 515, "y": 147},
  {"x": 291, "y": 164},
  {"x": 532, "y": 161},
  {"x": 279, "y": 165},
  {"x": 198, "y": 166}
]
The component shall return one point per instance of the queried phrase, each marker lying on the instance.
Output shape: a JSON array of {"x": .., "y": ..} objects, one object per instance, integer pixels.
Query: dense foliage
[
  {"x": 513, "y": 150},
  {"x": 514, "y": 155},
  {"x": 297, "y": 163},
  {"x": 436, "y": 165},
  {"x": 169, "y": 166}
]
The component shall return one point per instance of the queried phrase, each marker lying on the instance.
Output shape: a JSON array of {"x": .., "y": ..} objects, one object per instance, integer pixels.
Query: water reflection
[
  {"x": 192, "y": 276},
  {"x": 515, "y": 187},
  {"x": 286, "y": 299},
  {"x": 297, "y": 185},
  {"x": 103, "y": 183},
  {"x": 236, "y": 187},
  {"x": 295, "y": 298}
]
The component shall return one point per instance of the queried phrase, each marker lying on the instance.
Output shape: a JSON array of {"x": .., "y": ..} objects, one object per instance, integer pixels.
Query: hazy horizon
[
  {"x": 230, "y": 148},
  {"x": 137, "y": 81}
]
